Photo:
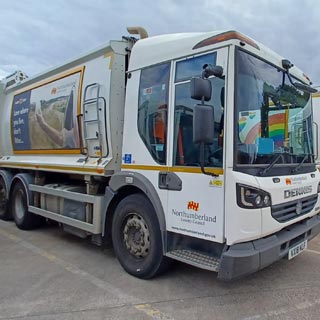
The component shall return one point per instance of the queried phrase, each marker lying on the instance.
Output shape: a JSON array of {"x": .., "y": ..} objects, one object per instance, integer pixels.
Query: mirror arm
[
  {"x": 202, "y": 162},
  {"x": 303, "y": 87},
  {"x": 289, "y": 77}
]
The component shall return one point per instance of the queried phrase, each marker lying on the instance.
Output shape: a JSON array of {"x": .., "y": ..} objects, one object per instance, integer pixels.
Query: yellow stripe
[
  {"x": 111, "y": 55},
  {"x": 99, "y": 170},
  {"x": 44, "y": 82},
  {"x": 152, "y": 312},
  {"x": 80, "y": 89},
  {"x": 49, "y": 151},
  {"x": 196, "y": 170},
  {"x": 286, "y": 123},
  {"x": 277, "y": 126},
  {"x": 50, "y": 167},
  {"x": 140, "y": 167},
  {"x": 171, "y": 169}
]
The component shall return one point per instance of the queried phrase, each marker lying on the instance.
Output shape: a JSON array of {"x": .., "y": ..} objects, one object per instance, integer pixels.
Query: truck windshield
[{"x": 273, "y": 119}]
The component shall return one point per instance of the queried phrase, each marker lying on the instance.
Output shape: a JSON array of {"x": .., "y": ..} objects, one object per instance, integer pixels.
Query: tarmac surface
[{"x": 49, "y": 274}]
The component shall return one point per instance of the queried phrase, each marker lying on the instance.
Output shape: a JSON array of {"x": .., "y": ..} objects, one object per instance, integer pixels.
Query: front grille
[{"x": 287, "y": 211}]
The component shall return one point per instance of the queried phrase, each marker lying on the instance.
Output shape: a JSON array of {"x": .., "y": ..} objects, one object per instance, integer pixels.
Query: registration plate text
[{"x": 294, "y": 251}]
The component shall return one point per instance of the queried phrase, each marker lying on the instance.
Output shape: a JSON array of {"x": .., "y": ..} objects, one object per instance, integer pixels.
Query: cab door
[{"x": 197, "y": 208}]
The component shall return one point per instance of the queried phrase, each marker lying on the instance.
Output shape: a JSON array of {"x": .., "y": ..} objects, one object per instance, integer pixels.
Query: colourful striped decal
[
  {"x": 277, "y": 128},
  {"x": 253, "y": 134},
  {"x": 250, "y": 127}
]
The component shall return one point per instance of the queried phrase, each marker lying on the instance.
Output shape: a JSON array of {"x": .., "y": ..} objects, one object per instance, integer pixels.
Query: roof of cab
[{"x": 150, "y": 51}]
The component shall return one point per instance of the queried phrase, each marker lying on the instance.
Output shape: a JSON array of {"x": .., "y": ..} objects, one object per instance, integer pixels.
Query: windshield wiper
[
  {"x": 297, "y": 168},
  {"x": 270, "y": 166}
]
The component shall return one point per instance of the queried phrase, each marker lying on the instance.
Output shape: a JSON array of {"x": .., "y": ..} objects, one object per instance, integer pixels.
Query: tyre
[
  {"x": 4, "y": 203},
  {"x": 24, "y": 219},
  {"x": 136, "y": 237}
]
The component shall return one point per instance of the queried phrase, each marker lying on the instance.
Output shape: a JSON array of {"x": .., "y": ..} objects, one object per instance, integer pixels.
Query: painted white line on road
[
  {"x": 72, "y": 268},
  {"x": 282, "y": 311},
  {"x": 152, "y": 312},
  {"x": 124, "y": 299},
  {"x": 299, "y": 306}
]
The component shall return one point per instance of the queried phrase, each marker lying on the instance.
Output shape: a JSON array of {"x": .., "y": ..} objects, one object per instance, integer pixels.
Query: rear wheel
[
  {"x": 136, "y": 237},
  {"x": 4, "y": 207},
  {"x": 24, "y": 219}
]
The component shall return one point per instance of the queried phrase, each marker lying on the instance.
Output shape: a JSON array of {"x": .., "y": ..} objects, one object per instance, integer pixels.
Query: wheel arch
[
  {"x": 25, "y": 179},
  {"x": 123, "y": 184},
  {"x": 7, "y": 177}
]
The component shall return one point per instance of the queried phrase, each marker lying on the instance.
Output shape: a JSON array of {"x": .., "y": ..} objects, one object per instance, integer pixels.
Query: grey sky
[{"x": 36, "y": 34}]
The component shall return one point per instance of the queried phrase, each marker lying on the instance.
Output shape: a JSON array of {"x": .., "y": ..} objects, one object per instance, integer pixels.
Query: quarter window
[{"x": 188, "y": 68}]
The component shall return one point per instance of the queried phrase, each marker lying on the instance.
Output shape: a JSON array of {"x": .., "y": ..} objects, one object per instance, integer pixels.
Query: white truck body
[
  {"x": 95, "y": 67},
  {"x": 130, "y": 134}
]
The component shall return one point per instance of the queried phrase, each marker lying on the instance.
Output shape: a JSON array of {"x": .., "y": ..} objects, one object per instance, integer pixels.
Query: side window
[
  {"x": 185, "y": 152},
  {"x": 189, "y": 68},
  {"x": 153, "y": 110}
]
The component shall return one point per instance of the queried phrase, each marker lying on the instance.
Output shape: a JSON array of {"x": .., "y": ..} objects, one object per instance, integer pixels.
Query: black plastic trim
[{"x": 245, "y": 258}]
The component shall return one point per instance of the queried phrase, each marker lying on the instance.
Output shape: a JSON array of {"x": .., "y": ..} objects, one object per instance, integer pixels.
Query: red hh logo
[{"x": 193, "y": 205}]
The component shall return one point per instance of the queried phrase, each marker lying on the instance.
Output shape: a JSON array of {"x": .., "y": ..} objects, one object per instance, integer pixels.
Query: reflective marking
[
  {"x": 218, "y": 171},
  {"x": 152, "y": 312},
  {"x": 13, "y": 237}
]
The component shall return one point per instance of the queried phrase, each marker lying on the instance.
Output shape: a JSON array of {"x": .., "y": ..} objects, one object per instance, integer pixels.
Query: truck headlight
[{"x": 252, "y": 198}]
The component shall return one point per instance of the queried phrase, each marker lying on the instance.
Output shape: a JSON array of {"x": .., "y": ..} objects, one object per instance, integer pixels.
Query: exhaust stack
[{"x": 138, "y": 30}]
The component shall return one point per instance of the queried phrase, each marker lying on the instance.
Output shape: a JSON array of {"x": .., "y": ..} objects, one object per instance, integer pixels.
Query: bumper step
[{"x": 196, "y": 259}]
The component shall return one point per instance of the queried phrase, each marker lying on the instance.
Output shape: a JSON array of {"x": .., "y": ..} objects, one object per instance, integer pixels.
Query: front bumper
[{"x": 245, "y": 258}]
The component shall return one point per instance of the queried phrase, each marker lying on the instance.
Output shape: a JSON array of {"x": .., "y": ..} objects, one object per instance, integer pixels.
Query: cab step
[{"x": 195, "y": 258}]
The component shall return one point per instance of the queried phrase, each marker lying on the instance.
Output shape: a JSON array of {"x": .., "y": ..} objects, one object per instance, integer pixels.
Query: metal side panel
[
  {"x": 196, "y": 259},
  {"x": 76, "y": 196},
  {"x": 66, "y": 220},
  {"x": 98, "y": 202}
]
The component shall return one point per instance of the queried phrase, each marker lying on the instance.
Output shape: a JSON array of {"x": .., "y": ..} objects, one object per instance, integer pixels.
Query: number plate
[{"x": 294, "y": 251}]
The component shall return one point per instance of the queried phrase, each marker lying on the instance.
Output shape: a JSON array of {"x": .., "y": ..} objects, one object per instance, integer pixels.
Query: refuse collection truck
[{"x": 195, "y": 147}]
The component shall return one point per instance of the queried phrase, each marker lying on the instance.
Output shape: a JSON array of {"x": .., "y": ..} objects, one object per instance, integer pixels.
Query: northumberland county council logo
[
  {"x": 193, "y": 206},
  {"x": 288, "y": 182}
]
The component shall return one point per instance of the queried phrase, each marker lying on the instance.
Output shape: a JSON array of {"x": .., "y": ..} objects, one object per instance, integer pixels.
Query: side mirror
[
  {"x": 200, "y": 89},
  {"x": 203, "y": 124},
  {"x": 304, "y": 87}
]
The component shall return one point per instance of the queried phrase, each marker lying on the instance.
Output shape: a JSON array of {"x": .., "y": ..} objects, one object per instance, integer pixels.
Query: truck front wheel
[{"x": 136, "y": 237}]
